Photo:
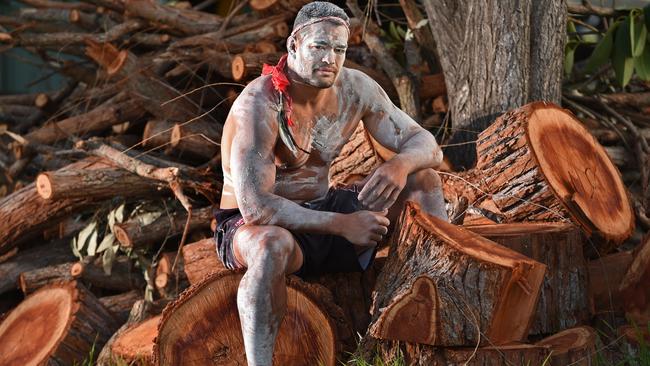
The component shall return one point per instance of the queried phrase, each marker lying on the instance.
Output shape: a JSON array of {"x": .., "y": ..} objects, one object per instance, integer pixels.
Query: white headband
[{"x": 318, "y": 20}]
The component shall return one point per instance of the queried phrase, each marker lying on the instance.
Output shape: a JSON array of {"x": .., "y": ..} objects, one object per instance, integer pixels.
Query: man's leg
[
  {"x": 269, "y": 253},
  {"x": 425, "y": 188}
]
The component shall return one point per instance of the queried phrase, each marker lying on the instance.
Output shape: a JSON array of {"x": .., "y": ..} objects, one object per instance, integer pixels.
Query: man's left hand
[{"x": 383, "y": 186}]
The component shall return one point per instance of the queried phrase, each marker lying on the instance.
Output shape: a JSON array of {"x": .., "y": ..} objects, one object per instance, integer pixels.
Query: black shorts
[{"x": 322, "y": 253}]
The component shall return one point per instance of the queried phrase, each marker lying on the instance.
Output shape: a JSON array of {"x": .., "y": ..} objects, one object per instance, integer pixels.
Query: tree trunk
[
  {"x": 442, "y": 284},
  {"x": 423, "y": 355},
  {"x": 634, "y": 288},
  {"x": 135, "y": 344},
  {"x": 121, "y": 304},
  {"x": 200, "y": 259},
  {"x": 575, "y": 346},
  {"x": 35, "y": 279},
  {"x": 132, "y": 234},
  {"x": 515, "y": 58},
  {"x": 605, "y": 276},
  {"x": 519, "y": 169},
  {"x": 58, "y": 325},
  {"x": 189, "y": 329},
  {"x": 564, "y": 297},
  {"x": 32, "y": 259}
]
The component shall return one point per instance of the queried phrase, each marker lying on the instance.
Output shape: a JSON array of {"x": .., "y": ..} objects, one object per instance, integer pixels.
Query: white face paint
[{"x": 318, "y": 53}]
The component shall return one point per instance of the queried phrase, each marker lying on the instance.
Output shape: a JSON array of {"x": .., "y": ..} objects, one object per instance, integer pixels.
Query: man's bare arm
[{"x": 414, "y": 146}]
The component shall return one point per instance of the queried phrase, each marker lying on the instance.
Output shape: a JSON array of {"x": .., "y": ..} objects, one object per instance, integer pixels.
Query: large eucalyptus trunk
[{"x": 496, "y": 55}]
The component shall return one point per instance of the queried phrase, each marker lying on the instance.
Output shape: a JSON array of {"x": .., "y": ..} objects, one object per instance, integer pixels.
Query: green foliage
[{"x": 625, "y": 45}]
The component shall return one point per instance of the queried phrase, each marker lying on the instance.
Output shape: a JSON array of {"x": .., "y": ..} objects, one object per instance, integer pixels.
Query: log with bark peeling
[
  {"x": 428, "y": 273},
  {"x": 58, "y": 325}
]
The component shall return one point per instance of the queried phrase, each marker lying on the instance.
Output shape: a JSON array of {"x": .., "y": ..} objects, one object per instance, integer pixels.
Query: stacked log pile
[{"x": 124, "y": 161}]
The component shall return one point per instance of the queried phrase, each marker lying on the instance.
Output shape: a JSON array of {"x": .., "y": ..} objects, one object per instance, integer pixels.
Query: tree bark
[
  {"x": 249, "y": 65},
  {"x": 123, "y": 275},
  {"x": 170, "y": 283},
  {"x": 132, "y": 234},
  {"x": 121, "y": 304},
  {"x": 33, "y": 280},
  {"x": 515, "y": 58},
  {"x": 57, "y": 325},
  {"x": 198, "y": 139},
  {"x": 564, "y": 297},
  {"x": 456, "y": 282},
  {"x": 200, "y": 259}
]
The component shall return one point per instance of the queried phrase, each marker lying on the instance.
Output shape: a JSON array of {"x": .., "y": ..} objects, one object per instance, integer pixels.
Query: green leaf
[
  {"x": 107, "y": 260},
  {"x": 638, "y": 33},
  {"x": 92, "y": 243},
  {"x": 603, "y": 50},
  {"x": 622, "y": 42},
  {"x": 108, "y": 241},
  {"x": 623, "y": 66},
  {"x": 569, "y": 55},
  {"x": 642, "y": 64},
  {"x": 84, "y": 234}
]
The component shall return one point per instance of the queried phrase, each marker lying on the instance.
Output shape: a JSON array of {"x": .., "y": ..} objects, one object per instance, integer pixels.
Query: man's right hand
[{"x": 365, "y": 228}]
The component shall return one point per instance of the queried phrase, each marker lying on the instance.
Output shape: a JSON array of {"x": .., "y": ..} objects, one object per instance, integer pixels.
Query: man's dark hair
[{"x": 319, "y": 9}]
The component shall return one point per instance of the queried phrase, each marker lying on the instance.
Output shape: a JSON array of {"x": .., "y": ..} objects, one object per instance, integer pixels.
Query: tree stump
[
  {"x": 605, "y": 276},
  {"x": 56, "y": 325},
  {"x": 134, "y": 345},
  {"x": 203, "y": 325},
  {"x": 634, "y": 287},
  {"x": 443, "y": 284},
  {"x": 564, "y": 297},
  {"x": 423, "y": 355},
  {"x": 540, "y": 164},
  {"x": 575, "y": 346}
]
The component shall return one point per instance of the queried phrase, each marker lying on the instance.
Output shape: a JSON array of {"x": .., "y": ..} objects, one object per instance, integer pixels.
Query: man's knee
[{"x": 268, "y": 244}]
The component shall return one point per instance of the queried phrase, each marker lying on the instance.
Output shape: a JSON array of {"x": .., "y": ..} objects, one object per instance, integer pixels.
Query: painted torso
[{"x": 321, "y": 130}]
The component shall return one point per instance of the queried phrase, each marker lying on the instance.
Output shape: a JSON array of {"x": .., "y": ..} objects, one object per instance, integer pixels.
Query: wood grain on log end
[
  {"x": 411, "y": 316},
  {"x": 575, "y": 346},
  {"x": 56, "y": 325},
  {"x": 208, "y": 312},
  {"x": 122, "y": 235},
  {"x": 44, "y": 186},
  {"x": 135, "y": 344}
]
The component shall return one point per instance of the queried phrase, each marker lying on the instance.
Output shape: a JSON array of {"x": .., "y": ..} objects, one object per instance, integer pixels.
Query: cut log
[
  {"x": 249, "y": 65},
  {"x": 356, "y": 160},
  {"x": 97, "y": 184},
  {"x": 422, "y": 355},
  {"x": 123, "y": 275},
  {"x": 135, "y": 344},
  {"x": 575, "y": 346},
  {"x": 200, "y": 259},
  {"x": 634, "y": 288},
  {"x": 198, "y": 139},
  {"x": 120, "y": 305},
  {"x": 32, "y": 259},
  {"x": 564, "y": 298},
  {"x": 170, "y": 283},
  {"x": 132, "y": 234},
  {"x": 444, "y": 285},
  {"x": 605, "y": 276},
  {"x": 432, "y": 86},
  {"x": 58, "y": 325},
  {"x": 33, "y": 280},
  {"x": 157, "y": 133},
  {"x": 191, "y": 332},
  {"x": 540, "y": 163}
]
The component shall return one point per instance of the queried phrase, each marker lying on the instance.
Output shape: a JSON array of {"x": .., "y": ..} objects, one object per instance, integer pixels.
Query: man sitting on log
[{"x": 278, "y": 216}]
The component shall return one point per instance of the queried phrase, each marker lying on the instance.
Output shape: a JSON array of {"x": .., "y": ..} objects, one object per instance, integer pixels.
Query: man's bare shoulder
[
  {"x": 255, "y": 103},
  {"x": 358, "y": 83}
]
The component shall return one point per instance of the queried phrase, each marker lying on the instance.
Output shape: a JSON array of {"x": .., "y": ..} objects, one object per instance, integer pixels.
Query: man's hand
[
  {"x": 365, "y": 227},
  {"x": 383, "y": 186}
]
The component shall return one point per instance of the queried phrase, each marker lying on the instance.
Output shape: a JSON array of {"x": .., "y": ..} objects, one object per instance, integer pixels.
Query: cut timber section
[
  {"x": 540, "y": 164},
  {"x": 199, "y": 139},
  {"x": 200, "y": 260},
  {"x": 423, "y": 355},
  {"x": 635, "y": 285},
  {"x": 564, "y": 297},
  {"x": 249, "y": 65},
  {"x": 56, "y": 325},
  {"x": 203, "y": 324},
  {"x": 575, "y": 346},
  {"x": 357, "y": 159},
  {"x": 134, "y": 346},
  {"x": 442, "y": 285},
  {"x": 605, "y": 276}
]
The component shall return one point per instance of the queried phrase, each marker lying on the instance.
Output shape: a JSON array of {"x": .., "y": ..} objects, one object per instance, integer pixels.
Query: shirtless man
[{"x": 278, "y": 216}]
